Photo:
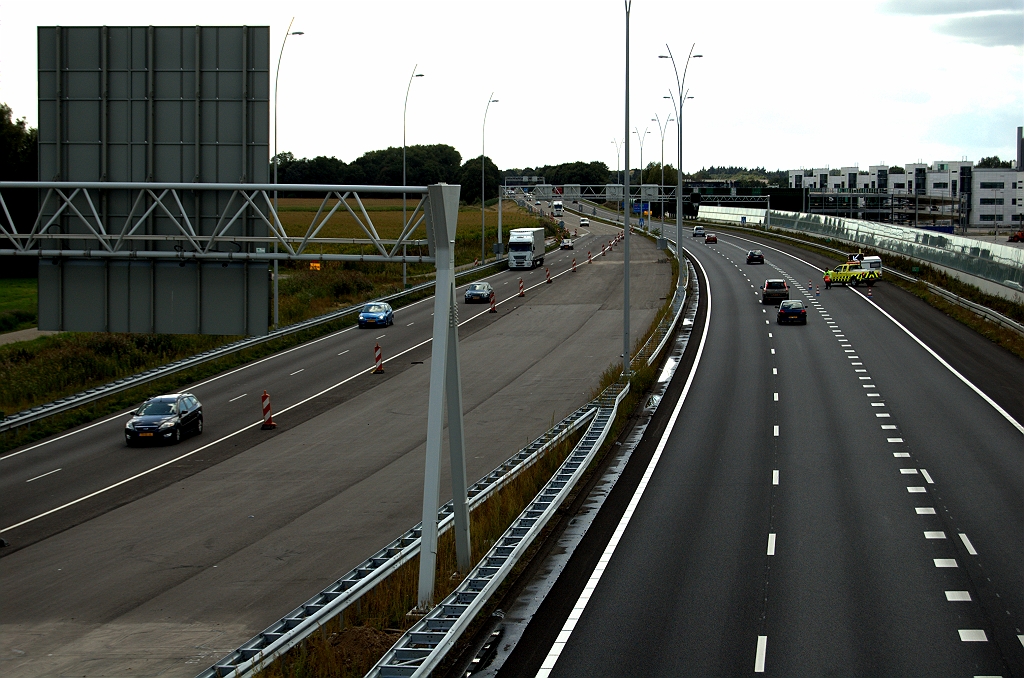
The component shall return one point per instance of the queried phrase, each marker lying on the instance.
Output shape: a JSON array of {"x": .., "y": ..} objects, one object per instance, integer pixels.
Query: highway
[
  {"x": 164, "y": 559},
  {"x": 828, "y": 499}
]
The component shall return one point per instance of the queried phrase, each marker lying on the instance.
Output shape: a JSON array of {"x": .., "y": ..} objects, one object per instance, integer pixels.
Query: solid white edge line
[
  {"x": 230, "y": 435},
  {"x": 563, "y": 637},
  {"x": 1016, "y": 424}
]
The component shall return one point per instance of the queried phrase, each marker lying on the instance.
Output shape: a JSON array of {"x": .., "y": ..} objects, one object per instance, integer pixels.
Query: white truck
[
  {"x": 556, "y": 209},
  {"x": 526, "y": 247}
]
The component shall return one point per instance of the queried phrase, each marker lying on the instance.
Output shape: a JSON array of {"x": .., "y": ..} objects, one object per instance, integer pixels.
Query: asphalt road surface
[
  {"x": 158, "y": 561},
  {"x": 828, "y": 500}
]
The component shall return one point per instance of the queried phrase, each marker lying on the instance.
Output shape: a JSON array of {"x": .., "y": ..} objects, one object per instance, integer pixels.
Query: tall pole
[
  {"x": 628, "y": 210},
  {"x": 661, "y": 189},
  {"x": 637, "y": 130},
  {"x": 483, "y": 171},
  {"x": 404, "y": 182},
  {"x": 618, "y": 174},
  {"x": 679, "y": 141},
  {"x": 277, "y": 76}
]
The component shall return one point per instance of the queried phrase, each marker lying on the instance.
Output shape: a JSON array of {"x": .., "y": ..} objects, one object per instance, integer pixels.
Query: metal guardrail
[
  {"x": 427, "y": 642},
  {"x": 983, "y": 311},
  {"x": 295, "y": 626},
  {"x": 92, "y": 394},
  {"x": 423, "y": 646}
]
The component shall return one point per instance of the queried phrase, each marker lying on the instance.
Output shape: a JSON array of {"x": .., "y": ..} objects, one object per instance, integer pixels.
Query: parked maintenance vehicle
[{"x": 867, "y": 270}]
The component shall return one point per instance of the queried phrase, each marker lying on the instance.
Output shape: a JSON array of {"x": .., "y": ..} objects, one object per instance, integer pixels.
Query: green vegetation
[
  {"x": 17, "y": 303},
  {"x": 993, "y": 162}
]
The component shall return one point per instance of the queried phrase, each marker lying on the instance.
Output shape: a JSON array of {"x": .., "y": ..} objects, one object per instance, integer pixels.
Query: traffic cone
[
  {"x": 522, "y": 289},
  {"x": 869, "y": 291},
  {"x": 817, "y": 290},
  {"x": 494, "y": 309},
  {"x": 378, "y": 362},
  {"x": 268, "y": 418},
  {"x": 574, "y": 264},
  {"x": 590, "y": 259},
  {"x": 547, "y": 272}
]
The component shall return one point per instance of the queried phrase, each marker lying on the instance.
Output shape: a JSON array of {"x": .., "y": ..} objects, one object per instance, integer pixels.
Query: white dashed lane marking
[
  {"x": 973, "y": 635},
  {"x": 967, "y": 544},
  {"x": 771, "y": 543},
  {"x": 237, "y": 397},
  {"x": 958, "y": 596},
  {"x": 775, "y": 477},
  {"x": 296, "y": 372},
  {"x": 927, "y": 477},
  {"x": 344, "y": 352},
  {"x": 925, "y": 511},
  {"x": 944, "y": 562},
  {"x": 762, "y": 647}
]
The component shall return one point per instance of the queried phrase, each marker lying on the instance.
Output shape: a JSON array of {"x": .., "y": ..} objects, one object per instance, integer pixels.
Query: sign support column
[{"x": 445, "y": 386}]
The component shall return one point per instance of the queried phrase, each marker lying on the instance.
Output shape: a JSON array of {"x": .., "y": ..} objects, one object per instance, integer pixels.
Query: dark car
[
  {"x": 755, "y": 257},
  {"x": 480, "y": 291},
  {"x": 376, "y": 313},
  {"x": 710, "y": 237},
  {"x": 792, "y": 311},
  {"x": 164, "y": 419},
  {"x": 774, "y": 289}
]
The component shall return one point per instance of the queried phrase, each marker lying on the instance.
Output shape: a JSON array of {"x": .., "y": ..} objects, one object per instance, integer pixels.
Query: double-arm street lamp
[
  {"x": 277, "y": 77},
  {"x": 661, "y": 189},
  {"x": 404, "y": 182},
  {"x": 483, "y": 174},
  {"x": 636, "y": 131},
  {"x": 679, "y": 140},
  {"x": 618, "y": 175}
]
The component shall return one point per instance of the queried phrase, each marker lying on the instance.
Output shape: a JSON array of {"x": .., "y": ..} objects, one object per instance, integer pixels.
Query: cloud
[
  {"x": 946, "y": 7},
  {"x": 987, "y": 30}
]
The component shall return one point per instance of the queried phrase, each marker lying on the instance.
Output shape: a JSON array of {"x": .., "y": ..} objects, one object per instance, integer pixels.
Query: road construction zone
[{"x": 867, "y": 270}]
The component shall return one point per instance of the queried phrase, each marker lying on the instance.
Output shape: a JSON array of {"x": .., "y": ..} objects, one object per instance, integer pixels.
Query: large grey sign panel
[
  {"x": 101, "y": 295},
  {"x": 155, "y": 103}
]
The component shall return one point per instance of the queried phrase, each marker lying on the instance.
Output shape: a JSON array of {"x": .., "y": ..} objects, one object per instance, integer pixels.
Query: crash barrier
[
  {"x": 997, "y": 263},
  {"x": 93, "y": 394},
  {"x": 424, "y": 646},
  {"x": 732, "y": 215},
  {"x": 291, "y": 629}
]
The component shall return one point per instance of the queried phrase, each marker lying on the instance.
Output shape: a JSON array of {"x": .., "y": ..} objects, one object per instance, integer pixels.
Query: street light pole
[
  {"x": 277, "y": 76},
  {"x": 628, "y": 210},
  {"x": 618, "y": 175},
  {"x": 483, "y": 171},
  {"x": 636, "y": 130},
  {"x": 679, "y": 141},
  {"x": 661, "y": 189},
  {"x": 404, "y": 182}
]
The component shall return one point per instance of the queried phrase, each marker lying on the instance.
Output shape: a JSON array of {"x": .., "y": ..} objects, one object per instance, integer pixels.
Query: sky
[{"x": 782, "y": 84}]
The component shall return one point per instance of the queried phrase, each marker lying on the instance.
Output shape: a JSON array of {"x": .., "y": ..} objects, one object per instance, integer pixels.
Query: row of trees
[{"x": 424, "y": 165}]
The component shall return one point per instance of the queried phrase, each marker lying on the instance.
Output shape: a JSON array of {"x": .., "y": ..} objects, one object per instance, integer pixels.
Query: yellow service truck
[{"x": 867, "y": 270}]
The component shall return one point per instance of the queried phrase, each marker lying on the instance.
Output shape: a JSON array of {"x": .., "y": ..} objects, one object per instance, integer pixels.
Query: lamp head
[
  {"x": 297, "y": 33},
  {"x": 698, "y": 56},
  {"x": 663, "y": 56},
  {"x": 418, "y": 75}
]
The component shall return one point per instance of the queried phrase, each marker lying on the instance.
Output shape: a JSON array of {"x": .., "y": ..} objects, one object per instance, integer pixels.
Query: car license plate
[{"x": 145, "y": 435}]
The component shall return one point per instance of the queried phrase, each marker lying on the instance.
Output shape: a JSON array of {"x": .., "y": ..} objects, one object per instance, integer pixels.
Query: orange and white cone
[
  {"x": 574, "y": 264},
  {"x": 590, "y": 259},
  {"x": 494, "y": 309},
  {"x": 547, "y": 272},
  {"x": 377, "y": 360},
  {"x": 869, "y": 291},
  {"x": 817, "y": 290},
  {"x": 268, "y": 418},
  {"x": 522, "y": 288}
]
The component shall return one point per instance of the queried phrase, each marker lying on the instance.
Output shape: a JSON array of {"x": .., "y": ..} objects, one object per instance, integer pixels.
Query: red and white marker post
[
  {"x": 268, "y": 418},
  {"x": 547, "y": 272},
  {"x": 494, "y": 309},
  {"x": 574, "y": 264},
  {"x": 377, "y": 360},
  {"x": 590, "y": 259},
  {"x": 522, "y": 288}
]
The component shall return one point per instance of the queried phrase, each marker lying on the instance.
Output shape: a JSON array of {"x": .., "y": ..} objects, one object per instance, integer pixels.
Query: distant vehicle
[
  {"x": 1016, "y": 237},
  {"x": 710, "y": 237},
  {"x": 755, "y": 257},
  {"x": 536, "y": 202},
  {"x": 792, "y": 311},
  {"x": 774, "y": 289},
  {"x": 526, "y": 247},
  {"x": 584, "y": 222},
  {"x": 566, "y": 244},
  {"x": 698, "y": 231},
  {"x": 164, "y": 419},
  {"x": 556, "y": 208},
  {"x": 479, "y": 291},
  {"x": 376, "y": 313}
]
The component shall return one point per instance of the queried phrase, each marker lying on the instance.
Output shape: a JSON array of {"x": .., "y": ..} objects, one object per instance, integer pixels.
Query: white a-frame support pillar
[{"x": 442, "y": 213}]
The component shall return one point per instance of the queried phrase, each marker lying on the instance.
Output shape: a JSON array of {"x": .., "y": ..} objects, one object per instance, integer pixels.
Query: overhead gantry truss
[{"x": 74, "y": 219}]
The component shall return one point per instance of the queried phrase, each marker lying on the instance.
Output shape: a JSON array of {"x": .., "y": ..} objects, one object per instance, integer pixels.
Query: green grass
[{"x": 17, "y": 303}]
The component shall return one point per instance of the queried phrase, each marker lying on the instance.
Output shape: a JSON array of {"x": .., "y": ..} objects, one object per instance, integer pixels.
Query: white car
[
  {"x": 566, "y": 244},
  {"x": 698, "y": 231},
  {"x": 584, "y": 222}
]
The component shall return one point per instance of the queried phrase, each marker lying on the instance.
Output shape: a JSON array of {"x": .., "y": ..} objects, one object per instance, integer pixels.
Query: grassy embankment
[
  {"x": 40, "y": 371},
  {"x": 1002, "y": 336},
  {"x": 17, "y": 303},
  {"x": 349, "y": 645}
]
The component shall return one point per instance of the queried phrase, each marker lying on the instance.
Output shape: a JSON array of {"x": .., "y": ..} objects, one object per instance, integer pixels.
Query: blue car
[
  {"x": 792, "y": 311},
  {"x": 377, "y": 314}
]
